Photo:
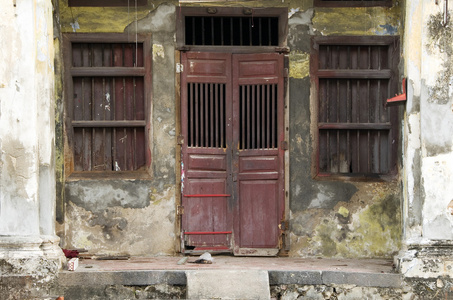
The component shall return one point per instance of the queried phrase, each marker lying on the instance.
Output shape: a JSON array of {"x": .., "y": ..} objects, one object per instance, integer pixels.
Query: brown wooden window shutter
[
  {"x": 108, "y": 103},
  {"x": 357, "y": 133}
]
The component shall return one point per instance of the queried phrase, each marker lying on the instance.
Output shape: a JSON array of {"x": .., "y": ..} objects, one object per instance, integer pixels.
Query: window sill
[
  {"x": 356, "y": 177},
  {"x": 124, "y": 175}
]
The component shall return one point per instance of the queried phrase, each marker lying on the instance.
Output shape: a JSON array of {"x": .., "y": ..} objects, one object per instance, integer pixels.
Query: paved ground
[
  {"x": 240, "y": 263},
  {"x": 141, "y": 271}
]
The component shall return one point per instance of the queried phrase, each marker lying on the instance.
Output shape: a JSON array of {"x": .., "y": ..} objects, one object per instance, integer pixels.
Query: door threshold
[
  {"x": 256, "y": 251},
  {"x": 216, "y": 250}
]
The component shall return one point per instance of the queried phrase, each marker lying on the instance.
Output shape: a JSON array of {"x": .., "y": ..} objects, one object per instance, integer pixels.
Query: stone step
[{"x": 227, "y": 284}]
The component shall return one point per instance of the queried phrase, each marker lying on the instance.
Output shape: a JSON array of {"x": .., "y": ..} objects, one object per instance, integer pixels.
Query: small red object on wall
[{"x": 398, "y": 99}]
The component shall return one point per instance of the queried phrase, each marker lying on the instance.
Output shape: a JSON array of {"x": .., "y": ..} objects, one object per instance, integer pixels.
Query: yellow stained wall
[{"x": 358, "y": 223}]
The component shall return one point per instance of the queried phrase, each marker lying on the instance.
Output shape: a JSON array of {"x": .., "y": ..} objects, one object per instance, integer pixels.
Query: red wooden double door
[{"x": 232, "y": 160}]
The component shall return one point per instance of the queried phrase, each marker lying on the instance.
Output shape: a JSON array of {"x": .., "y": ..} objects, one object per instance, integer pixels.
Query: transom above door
[{"x": 232, "y": 163}]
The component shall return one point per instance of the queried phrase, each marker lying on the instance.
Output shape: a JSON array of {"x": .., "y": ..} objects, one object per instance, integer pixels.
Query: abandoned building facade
[{"x": 281, "y": 127}]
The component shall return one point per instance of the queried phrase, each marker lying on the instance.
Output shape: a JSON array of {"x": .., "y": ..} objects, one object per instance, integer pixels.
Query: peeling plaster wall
[
  {"x": 436, "y": 124},
  {"x": 27, "y": 130},
  {"x": 428, "y": 148},
  {"x": 117, "y": 216},
  {"x": 428, "y": 124},
  {"x": 335, "y": 218},
  {"x": 135, "y": 217},
  {"x": 327, "y": 218},
  {"x": 29, "y": 254}
]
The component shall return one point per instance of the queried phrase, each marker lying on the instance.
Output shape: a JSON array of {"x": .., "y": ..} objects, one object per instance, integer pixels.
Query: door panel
[
  {"x": 257, "y": 159},
  {"x": 258, "y": 213},
  {"x": 208, "y": 213},
  {"x": 232, "y": 123},
  {"x": 206, "y": 189}
]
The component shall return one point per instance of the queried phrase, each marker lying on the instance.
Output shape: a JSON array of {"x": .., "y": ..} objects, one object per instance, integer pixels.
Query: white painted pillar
[
  {"x": 27, "y": 179},
  {"x": 428, "y": 140}
]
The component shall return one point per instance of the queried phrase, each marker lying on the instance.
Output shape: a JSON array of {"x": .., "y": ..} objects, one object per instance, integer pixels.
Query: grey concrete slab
[
  {"x": 227, "y": 284},
  {"x": 136, "y": 278},
  {"x": 295, "y": 277},
  {"x": 362, "y": 279}
]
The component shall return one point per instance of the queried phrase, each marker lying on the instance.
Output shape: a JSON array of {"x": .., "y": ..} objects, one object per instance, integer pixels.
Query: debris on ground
[
  {"x": 205, "y": 258},
  {"x": 73, "y": 264},
  {"x": 71, "y": 253},
  {"x": 182, "y": 261},
  {"x": 110, "y": 257}
]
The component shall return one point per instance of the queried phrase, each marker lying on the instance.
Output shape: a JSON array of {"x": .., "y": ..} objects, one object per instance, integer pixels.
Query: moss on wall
[
  {"x": 59, "y": 122},
  {"x": 358, "y": 21},
  {"x": 328, "y": 218},
  {"x": 299, "y": 64},
  {"x": 99, "y": 19},
  {"x": 369, "y": 225}
]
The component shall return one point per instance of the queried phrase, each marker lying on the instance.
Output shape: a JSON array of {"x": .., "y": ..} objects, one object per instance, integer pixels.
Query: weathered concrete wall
[
  {"x": 117, "y": 216},
  {"x": 27, "y": 120},
  {"x": 428, "y": 148},
  {"x": 29, "y": 252},
  {"x": 327, "y": 218},
  {"x": 436, "y": 106},
  {"x": 410, "y": 289},
  {"x": 428, "y": 124},
  {"x": 335, "y": 218},
  {"x": 136, "y": 217},
  {"x": 429, "y": 120},
  {"x": 19, "y": 109}
]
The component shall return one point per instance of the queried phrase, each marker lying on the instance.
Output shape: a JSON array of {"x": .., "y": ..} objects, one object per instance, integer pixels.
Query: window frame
[
  {"x": 394, "y": 135},
  {"x": 71, "y": 72},
  {"x": 353, "y": 3},
  {"x": 280, "y": 12}
]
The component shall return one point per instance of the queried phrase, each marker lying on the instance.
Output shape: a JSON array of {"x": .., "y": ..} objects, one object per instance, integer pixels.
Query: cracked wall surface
[
  {"x": 429, "y": 120},
  {"x": 324, "y": 216},
  {"x": 127, "y": 215},
  {"x": 428, "y": 151},
  {"x": 335, "y": 218}
]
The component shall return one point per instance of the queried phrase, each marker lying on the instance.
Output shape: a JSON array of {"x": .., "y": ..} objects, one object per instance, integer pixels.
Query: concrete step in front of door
[{"x": 228, "y": 284}]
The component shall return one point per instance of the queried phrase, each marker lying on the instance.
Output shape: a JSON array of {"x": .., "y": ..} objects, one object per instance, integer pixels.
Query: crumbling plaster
[
  {"x": 135, "y": 217},
  {"x": 428, "y": 148},
  {"x": 366, "y": 225},
  {"x": 429, "y": 120},
  {"x": 358, "y": 21},
  {"x": 412, "y": 205},
  {"x": 132, "y": 218},
  {"x": 335, "y": 218},
  {"x": 311, "y": 202},
  {"x": 26, "y": 93},
  {"x": 29, "y": 252}
]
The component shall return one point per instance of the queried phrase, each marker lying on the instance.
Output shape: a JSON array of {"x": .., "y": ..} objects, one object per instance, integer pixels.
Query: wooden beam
[
  {"x": 358, "y": 74},
  {"x": 107, "y": 71},
  {"x": 355, "y": 126},
  {"x": 98, "y": 124}
]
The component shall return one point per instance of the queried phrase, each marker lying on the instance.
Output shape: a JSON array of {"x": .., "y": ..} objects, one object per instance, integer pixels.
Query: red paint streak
[
  {"x": 207, "y": 232},
  {"x": 211, "y": 248},
  {"x": 208, "y": 195}
]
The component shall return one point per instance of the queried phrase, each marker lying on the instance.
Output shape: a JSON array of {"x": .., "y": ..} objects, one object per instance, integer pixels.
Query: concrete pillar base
[
  {"x": 426, "y": 260},
  {"x": 30, "y": 255}
]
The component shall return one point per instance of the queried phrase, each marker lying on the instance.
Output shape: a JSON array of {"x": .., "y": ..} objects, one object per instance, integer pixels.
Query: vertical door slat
[
  {"x": 211, "y": 114},
  {"x": 263, "y": 117}
]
